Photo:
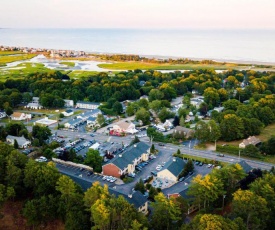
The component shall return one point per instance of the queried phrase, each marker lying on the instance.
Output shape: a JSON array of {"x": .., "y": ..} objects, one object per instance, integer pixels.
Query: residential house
[
  {"x": 252, "y": 140},
  {"x": 33, "y": 106},
  {"x": 69, "y": 103},
  {"x": 91, "y": 121},
  {"x": 125, "y": 163},
  {"x": 88, "y": 114},
  {"x": 72, "y": 124},
  {"x": 185, "y": 132},
  {"x": 68, "y": 112},
  {"x": 124, "y": 127},
  {"x": 17, "y": 116},
  {"x": 139, "y": 201},
  {"x": 172, "y": 169},
  {"x": 196, "y": 101},
  {"x": 22, "y": 141},
  {"x": 2, "y": 115},
  {"x": 183, "y": 194},
  {"x": 87, "y": 105}
]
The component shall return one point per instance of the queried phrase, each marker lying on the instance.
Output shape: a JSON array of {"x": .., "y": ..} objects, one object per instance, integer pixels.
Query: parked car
[
  {"x": 161, "y": 144},
  {"x": 181, "y": 179},
  {"x": 154, "y": 173}
]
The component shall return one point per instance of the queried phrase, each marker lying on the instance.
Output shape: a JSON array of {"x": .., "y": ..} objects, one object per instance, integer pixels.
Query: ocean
[{"x": 235, "y": 45}]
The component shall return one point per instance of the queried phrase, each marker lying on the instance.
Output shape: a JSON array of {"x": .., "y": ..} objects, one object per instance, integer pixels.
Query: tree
[
  {"x": 205, "y": 190},
  {"x": 264, "y": 187},
  {"x": 61, "y": 115},
  {"x": 94, "y": 160},
  {"x": 202, "y": 131},
  {"x": 117, "y": 107},
  {"x": 251, "y": 208},
  {"x": 211, "y": 222},
  {"x": 143, "y": 115},
  {"x": 156, "y": 105},
  {"x": 136, "y": 140},
  {"x": 100, "y": 119},
  {"x": 66, "y": 187},
  {"x": 176, "y": 121},
  {"x": 252, "y": 126},
  {"x": 182, "y": 121},
  {"x": 15, "y": 144},
  {"x": 215, "y": 132},
  {"x": 140, "y": 186},
  {"x": 211, "y": 96},
  {"x": 165, "y": 114},
  {"x": 232, "y": 127},
  {"x": 166, "y": 212},
  {"x": 41, "y": 133},
  {"x": 152, "y": 149},
  {"x": 9, "y": 111},
  {"x": 95, "y": 193},
  {"x": 230, "y": 177},
  {"x": 269, "y": 146},
  {"x": 231, "y": 104},
  {"x": 155, "y": 94}
]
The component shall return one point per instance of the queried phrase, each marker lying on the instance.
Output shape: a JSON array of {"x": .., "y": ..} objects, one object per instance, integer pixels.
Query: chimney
[
  {"x": 119, "y": 155},
  {"x": 135, "y": 146},
  {"x": 130, "y": 195},
  {"x": 174, "y": 159}
]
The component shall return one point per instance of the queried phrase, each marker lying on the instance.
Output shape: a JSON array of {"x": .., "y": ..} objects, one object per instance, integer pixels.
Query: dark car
[
  {"x": 154, "y": 173},
  {"x": 89, "y": 173},
  {"x": 220, "y": 155},
  {"x": 191, "y": 173},
  {"x": 161, "y": 144},
  {"x": 181, "y": 179}
]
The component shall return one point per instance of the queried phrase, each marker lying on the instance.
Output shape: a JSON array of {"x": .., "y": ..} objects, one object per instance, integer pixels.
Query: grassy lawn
[
  {"x": 267, "y": 132},
  {"x": 67, "y": 63},
  {"x": 4, "y": 59}
]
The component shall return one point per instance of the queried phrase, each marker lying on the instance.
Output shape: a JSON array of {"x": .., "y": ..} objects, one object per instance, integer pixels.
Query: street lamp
[{"x": 215, "y": 139}]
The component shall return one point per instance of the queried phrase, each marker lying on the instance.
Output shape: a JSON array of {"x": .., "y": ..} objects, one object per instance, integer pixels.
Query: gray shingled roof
[
  {"x": 175, "y": 166},
  {"x": 133, "y": 152},
  {"x": 246, "y": 167},
  {"x": 137, "y": 199}
]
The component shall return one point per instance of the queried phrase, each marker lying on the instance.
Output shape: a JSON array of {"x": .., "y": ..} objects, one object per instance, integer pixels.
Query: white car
[{"x": 104, "y": 178}]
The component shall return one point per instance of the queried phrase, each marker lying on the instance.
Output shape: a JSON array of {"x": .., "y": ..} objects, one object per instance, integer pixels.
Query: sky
[{"x": 203, "y": 14}]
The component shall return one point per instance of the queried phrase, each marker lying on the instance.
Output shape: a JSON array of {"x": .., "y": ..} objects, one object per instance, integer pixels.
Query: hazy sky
[{"x": 137, "y": 13}]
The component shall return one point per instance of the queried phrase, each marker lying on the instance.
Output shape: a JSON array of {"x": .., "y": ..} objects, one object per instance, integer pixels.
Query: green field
[
  {"x": 22, "y": 70},
  {"x": 2, "y": 53},
  {"x": 81, "y": 74},
  {"x": 4, "y": 59},
  {"x": 146, "y": 66},
  {"x": 67, "y": 63}
]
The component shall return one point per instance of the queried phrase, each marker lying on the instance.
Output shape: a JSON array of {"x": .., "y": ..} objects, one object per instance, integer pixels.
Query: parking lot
[{"x": 84, "y": 174}]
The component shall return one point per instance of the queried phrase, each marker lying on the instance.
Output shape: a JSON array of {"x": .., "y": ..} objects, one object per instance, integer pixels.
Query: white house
[
  {"x": 68, "y": 113},
  {"x": 17, "y": 116},
  {"x": 91, "y": 121},
  {"x": 22, "y": 141},
  {"x": 32, "y": 105},
  {"x": 252, "y": 140},
  {"x": 125, "y": 127},
  {"x": 69, "y": 103},
  {"x": 87, "y": 105},
  {"x": 172, "y": 169}
]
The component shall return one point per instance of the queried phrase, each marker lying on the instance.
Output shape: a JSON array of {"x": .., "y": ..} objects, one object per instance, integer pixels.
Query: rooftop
[{"x": 175, "y": 166}]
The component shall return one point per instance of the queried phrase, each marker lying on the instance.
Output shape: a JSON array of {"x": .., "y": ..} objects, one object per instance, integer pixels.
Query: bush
[{"x": 250, "y": 151}]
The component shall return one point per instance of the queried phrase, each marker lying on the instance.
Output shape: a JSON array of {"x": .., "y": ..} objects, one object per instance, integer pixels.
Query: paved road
[{"x": 213, "y": 156}]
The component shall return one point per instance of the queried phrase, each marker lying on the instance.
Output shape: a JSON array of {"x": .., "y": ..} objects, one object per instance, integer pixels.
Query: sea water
[{"x": 237, "y": 45}]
